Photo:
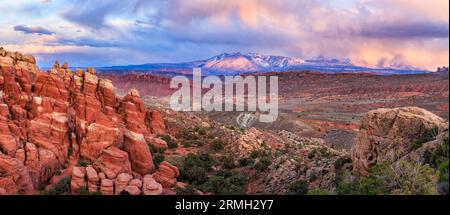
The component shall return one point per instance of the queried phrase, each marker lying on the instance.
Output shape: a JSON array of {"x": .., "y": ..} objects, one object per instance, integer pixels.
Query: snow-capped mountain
[{"x": 237, "y": 63}]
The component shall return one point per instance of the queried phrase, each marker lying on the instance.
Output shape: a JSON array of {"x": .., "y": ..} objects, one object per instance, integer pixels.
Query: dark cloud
[
  {"x": 33, "y": 30},
  {"x": 92, "y": 42},
  {"x": 408, "y": 30}
]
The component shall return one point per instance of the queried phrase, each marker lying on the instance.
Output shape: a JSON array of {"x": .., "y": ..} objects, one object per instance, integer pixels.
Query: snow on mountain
[{"x": 237, "y": 63}]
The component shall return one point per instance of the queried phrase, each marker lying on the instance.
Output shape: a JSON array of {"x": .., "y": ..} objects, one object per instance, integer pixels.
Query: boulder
[
  {"x": 132, "y": 190},
  {"x": 151, "y": 187},
  {"x": 121, "y": 182},
  {"x": 388, "y": 135},
  {"x": 166, "y": 174},
  {"x": 112, "y": 162},
  {"x": 136, "y": 182}
]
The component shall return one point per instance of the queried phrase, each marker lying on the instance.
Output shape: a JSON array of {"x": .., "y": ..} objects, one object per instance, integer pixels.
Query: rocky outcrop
[
  {"x": 50, "y": 119},
  {"x": 78, "y": 180},
  {"x": 388, "y": 135},
  {"x": 14, "y": 177},
  {"x": 166, "y": 174},
  {"x": 112, "y": 162}
]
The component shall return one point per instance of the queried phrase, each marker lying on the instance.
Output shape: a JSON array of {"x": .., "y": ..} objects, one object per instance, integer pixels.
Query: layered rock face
[
  {"x": 49, "y": 120},
  {"x": 389, "y": 135}
]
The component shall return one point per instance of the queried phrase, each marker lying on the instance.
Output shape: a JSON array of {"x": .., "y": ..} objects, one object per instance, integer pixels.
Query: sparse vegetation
[
  {"x": 188, "y": 190},
  {"x": 61, "y": 188},
  {"x": 402, "y": 177},
  {"x": 263, "y": 163},
  {"x": 217, "y": 145},
  {"x": 170, "y": 143},
  {"x": 299, "y": 187},
  {"x": 82, "y": 163},
  {"x": 428, "y": 135},
  {"x": 195, "y": 168},
  {"x": 226, "y": 183},
  {"x": 158, "y": 158}
]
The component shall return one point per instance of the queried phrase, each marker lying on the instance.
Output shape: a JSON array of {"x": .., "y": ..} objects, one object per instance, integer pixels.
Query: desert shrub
[
  {"x": 402, "y": 177},
  {"x": 299, "y": 187},
  {"x": 437, "y": 156},
  {"x": 226, "y": 183},
  {"x": 228, "y": 162},
  {"x": 443, "y": 178},
  {"x": 312, "y": 154},
  {"x": 82, "y": 163},
  {"x": 152, "y": 148},
  {"x": 195, "y": 175},
  {"x": 170, "y": 143},
  {"x": 244, "y": 162},
  {"x": 262, "y": 163},
  {"x": 195, "y": 168},
  {"x": 319, "y": 192},
  {"x": 257, "y": 154},
  {"x": 200, "y": 130},
  {"x": 428, "y": 135},
  {"x": 70, "y": 151},
  {"x": 188, "y": 190},
  {"x": 61, "y": 188},
  {"x": 158, "y": 158},
  {"x": 83, "y": 191},
  {"x": 218, "y": 145}
]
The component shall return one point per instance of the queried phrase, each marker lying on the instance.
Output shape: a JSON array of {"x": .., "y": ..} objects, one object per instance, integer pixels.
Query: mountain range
[{"x": 237, "y": 63}]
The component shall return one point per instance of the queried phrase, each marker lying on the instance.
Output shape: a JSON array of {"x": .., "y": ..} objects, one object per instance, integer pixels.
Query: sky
[{"x": 374, "y": 33}]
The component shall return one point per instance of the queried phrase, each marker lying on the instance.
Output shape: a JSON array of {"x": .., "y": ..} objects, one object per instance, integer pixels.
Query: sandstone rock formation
[
  {"x": 166, "y": 174},
  {"x": 49, "y": 120},
  {"x": 78, "y": 180},
  {"x": 151, "y": 187},
  {"x": 388, "y": 135}
]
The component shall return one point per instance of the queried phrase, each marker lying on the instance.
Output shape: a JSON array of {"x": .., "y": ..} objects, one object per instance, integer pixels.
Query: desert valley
[{"x": 110, "y": 131}]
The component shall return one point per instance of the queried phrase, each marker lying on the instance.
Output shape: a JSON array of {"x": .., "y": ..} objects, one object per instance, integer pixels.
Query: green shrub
[
  {"x": 428, "y": 135},
  {"x": 70, "y": 151},
  {"x": 244, "y": 162},
  {"x": 228, "y": 162},
  {"x": 258, "y": 153},
  {"x": 195, "y": 168},
  {"x": 299, "y": 187},
  {"x": 188, "y": 190},
  {"x": 226, "y": 183},
  {"x": 196, "y": 175},
  {"x": 82, "y": 163},
  {"x": 200, "y": 130},
  {"x": 158, "y": 158},
  {"x": 262, "y": 164},
  {"x": 319, "y": 192},
  {"x": 170, "y": 143},
  {"x": 443, "y": 178},
  {"x": 152, "y": 148},
  {"x": 61, "y": 188},
  {"x": 437, "y": 156},
  {"x": 402, "y": 177},
  {"x": 217, "y": 145}
]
